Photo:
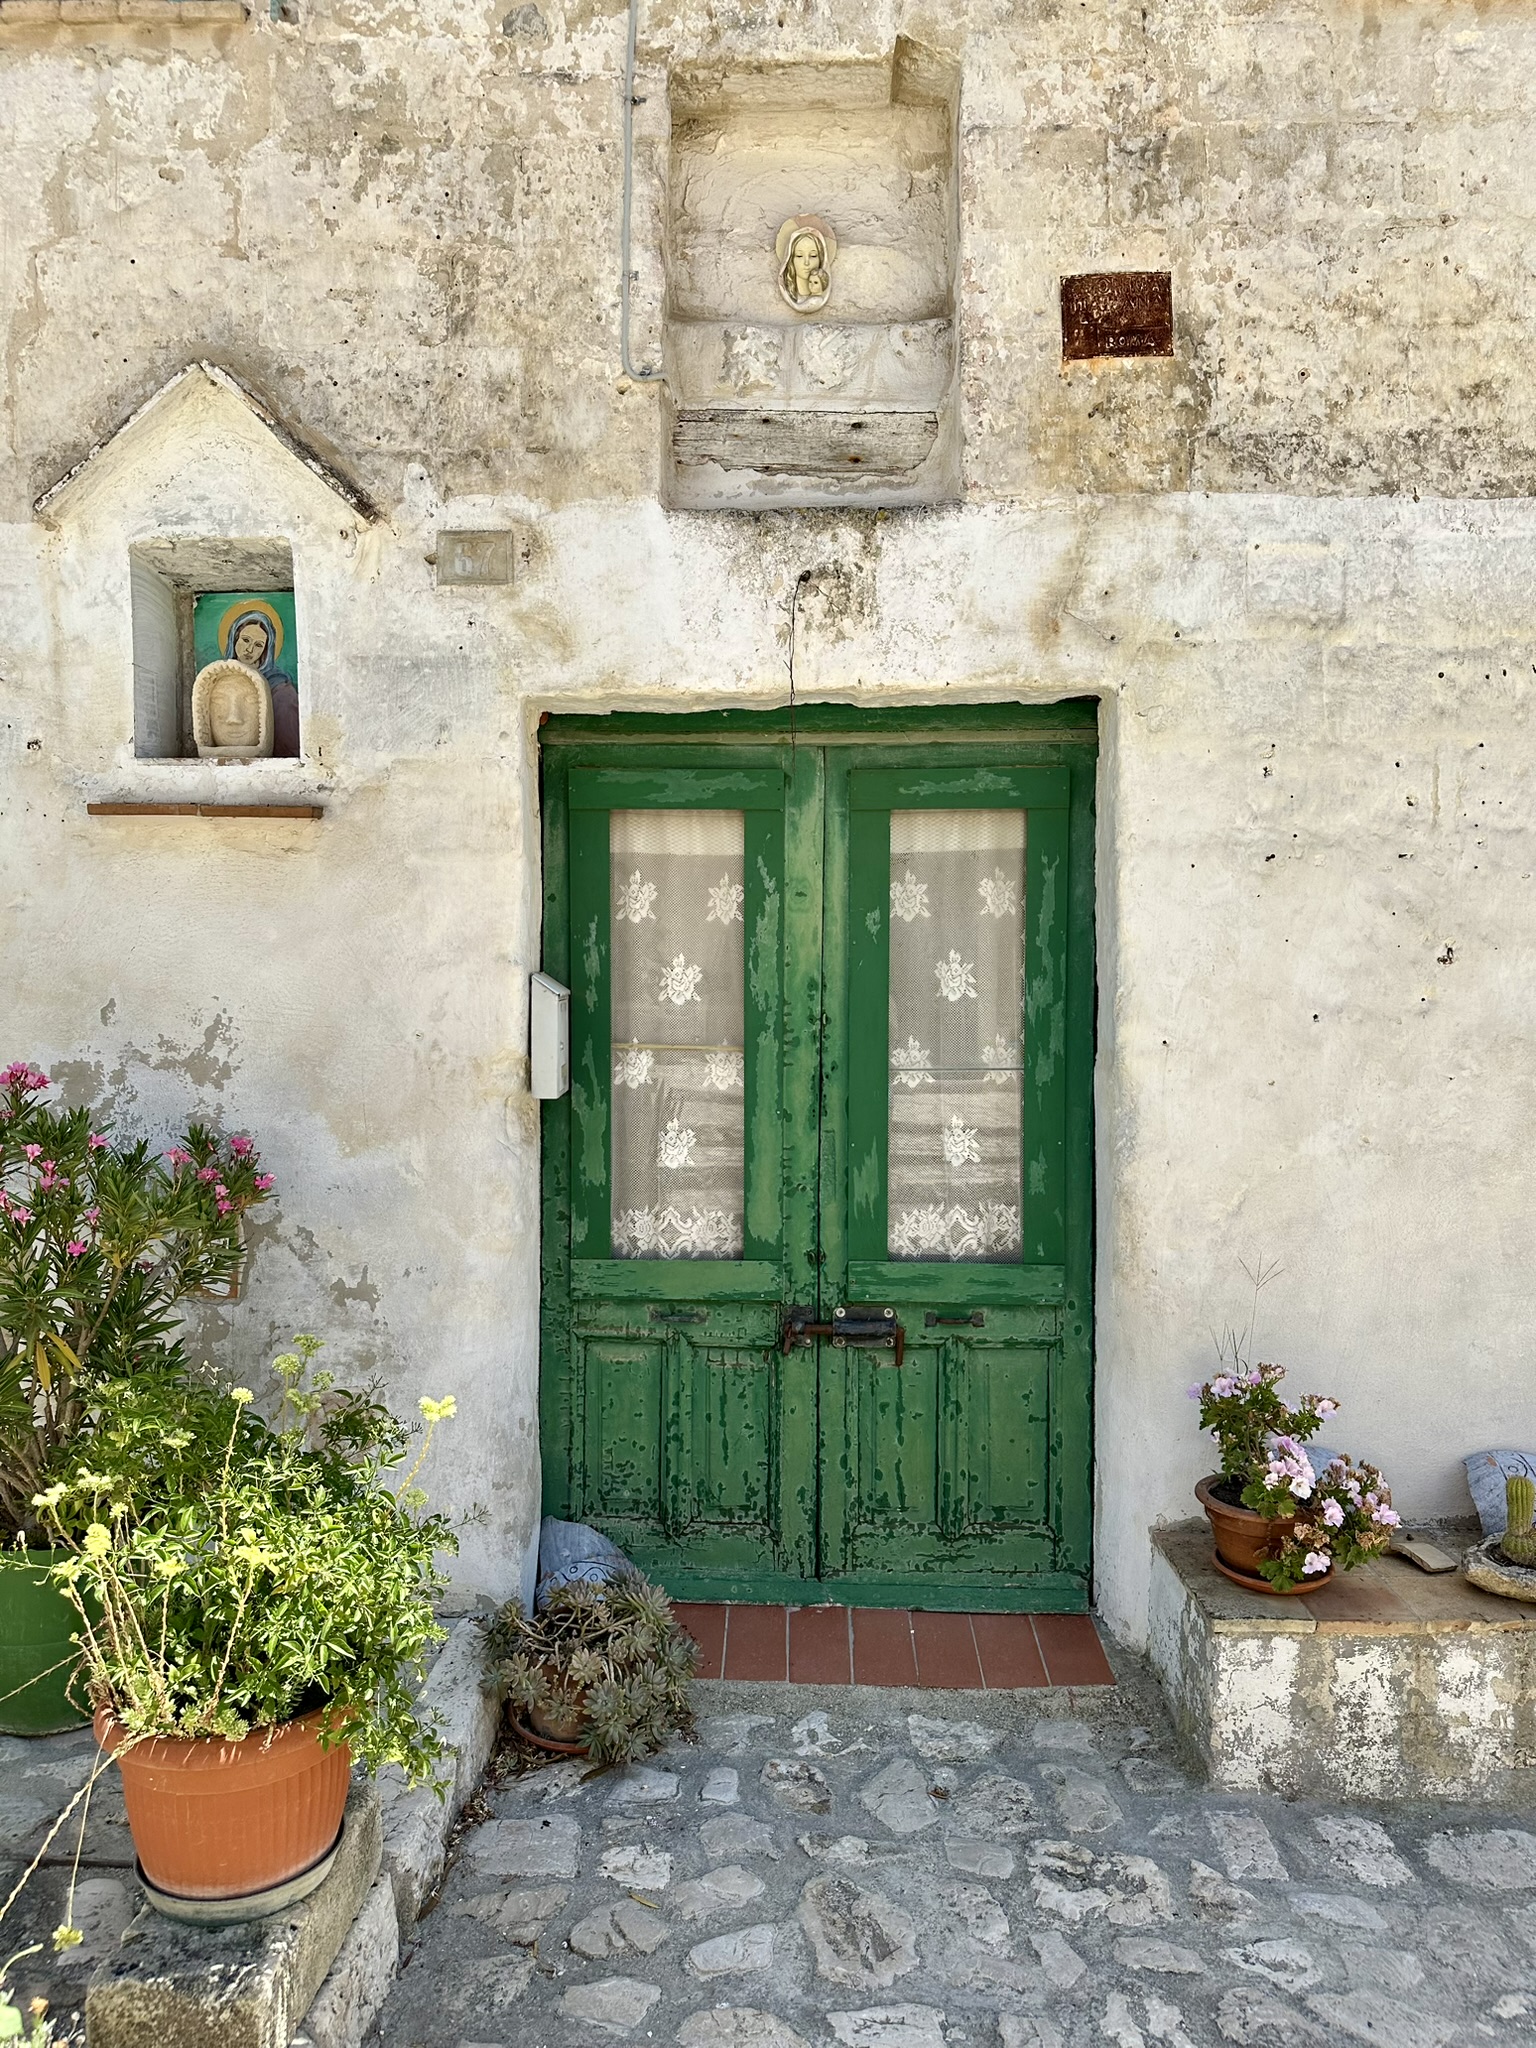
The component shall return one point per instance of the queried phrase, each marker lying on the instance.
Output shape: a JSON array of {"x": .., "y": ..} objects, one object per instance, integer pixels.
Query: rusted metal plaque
[{"x": 1116, "y": 313}]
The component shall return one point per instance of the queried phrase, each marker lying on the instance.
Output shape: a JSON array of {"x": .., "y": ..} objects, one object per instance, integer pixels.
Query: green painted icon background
[{"x": 212, "y": 605}]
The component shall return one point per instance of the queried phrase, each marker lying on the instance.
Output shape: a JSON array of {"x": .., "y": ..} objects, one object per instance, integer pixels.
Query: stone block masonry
[{"x": 1387, "y": 1685}]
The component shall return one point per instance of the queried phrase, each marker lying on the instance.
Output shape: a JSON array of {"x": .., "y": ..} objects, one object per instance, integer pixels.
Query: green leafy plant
[
  {"x": 609, "y": 1660},
  {"x": 99, "y": 1243},
  {"x": 266, "y": 1571}
]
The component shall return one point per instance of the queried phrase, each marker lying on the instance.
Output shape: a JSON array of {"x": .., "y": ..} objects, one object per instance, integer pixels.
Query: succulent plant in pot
[
  {"x": 599, "y": 1669},
  {"x": 99, "y": 1243}
]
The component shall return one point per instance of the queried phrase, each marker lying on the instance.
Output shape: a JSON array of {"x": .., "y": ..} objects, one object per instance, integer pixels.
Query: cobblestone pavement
[{"x": 919, "y": 1870}]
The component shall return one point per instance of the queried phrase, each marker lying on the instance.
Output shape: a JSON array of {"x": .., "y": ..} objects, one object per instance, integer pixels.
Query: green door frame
[{"x": 584, "y": 768}]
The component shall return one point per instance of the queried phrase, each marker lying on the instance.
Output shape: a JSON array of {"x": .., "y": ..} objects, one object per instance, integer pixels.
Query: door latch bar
[{"x": 851, "y": 1329}]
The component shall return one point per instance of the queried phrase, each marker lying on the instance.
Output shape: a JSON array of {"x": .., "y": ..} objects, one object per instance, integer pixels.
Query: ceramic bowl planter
[
  {"x": 1245, "y": 1540},
  {"x": 216, "y": 1820},
  {"x": 41, "y": 1690}
]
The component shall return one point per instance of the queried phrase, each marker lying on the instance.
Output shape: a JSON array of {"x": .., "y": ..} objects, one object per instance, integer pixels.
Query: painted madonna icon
[
  {"x": 254, "y": 629},
  {"x": 806, "y": 249}
]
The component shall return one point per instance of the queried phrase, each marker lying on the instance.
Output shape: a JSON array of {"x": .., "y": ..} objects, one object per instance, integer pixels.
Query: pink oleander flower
[
  {"x": 220, "y": 1190},
  {"x": 76, "y": 1247},
  {"x": 263, "y": 1181},
  {"x": 93, "y": 1215},
  {"x": 178, "y": 1157},
  {"x": 20, "y": 1075},
  {"x": 20, "y": 1215},
  {"x": 1314, "y": 1562},
  {"x": 96, "y": 1142},
  {"x": 1333, "y": 1514},
  {"x": 33, "y": 1151},
  {"x": 208, "y": 1173},
  {"x": 240, "y": 1147},
  {"x": 224, "y": 1207}
]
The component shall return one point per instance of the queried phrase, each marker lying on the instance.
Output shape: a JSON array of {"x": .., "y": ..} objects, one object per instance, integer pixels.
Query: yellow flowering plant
[{"x": 283, "y": 1573}]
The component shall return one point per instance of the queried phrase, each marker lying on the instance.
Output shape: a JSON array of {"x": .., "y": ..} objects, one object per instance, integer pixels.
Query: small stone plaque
[
  {"x": 1116, "y": 313},
  {"x": 476, "y": 557}
]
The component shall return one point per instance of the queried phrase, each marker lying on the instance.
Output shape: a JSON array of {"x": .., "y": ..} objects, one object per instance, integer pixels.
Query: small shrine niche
[
  {"x": 215, "y": 651},
  {"x": 812, "y": 248}
]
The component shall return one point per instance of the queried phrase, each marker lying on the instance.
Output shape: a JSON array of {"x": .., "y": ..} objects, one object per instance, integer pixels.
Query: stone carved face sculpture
[
  {"x": 232, "y": 712},
  {"x": 806, "y": 249}
]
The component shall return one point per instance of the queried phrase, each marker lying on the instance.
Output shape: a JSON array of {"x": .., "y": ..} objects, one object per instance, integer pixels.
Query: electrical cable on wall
[{"x": 639, "y": 376}]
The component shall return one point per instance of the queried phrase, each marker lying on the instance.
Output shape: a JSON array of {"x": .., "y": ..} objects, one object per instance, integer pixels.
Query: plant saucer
[{"x": 1252, "y": 1583}]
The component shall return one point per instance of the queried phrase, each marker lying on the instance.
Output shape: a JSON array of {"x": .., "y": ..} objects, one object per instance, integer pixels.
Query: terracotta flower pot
[
  {"x": 1243, "y": 1539},
  {"x": 40, "y": 1680},
  {"x": 221, "y": 1820}
]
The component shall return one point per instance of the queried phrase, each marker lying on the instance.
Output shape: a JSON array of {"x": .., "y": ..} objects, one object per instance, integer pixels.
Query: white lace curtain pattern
[
  {"x": 676, "y": 976},
  {"x": 956, "y": 1030}
]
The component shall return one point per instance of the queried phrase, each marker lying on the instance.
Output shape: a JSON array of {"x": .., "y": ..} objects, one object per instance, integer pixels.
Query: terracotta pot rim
[
  {"x": 1206, "y": 1495},
  {"x": 545, "y": 1742},
  {"x": 172, "y": 1749}
]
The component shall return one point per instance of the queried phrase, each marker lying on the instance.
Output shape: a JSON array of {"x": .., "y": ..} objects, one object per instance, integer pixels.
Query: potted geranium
[
  {"x": 99, "y": 1242},
  {"x": 254, "y": 1631},
  {"x": 1281, "y": 1523}
]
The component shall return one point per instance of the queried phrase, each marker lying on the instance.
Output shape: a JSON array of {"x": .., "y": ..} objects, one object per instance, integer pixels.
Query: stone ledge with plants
[{"x": 245, "y": 1605}]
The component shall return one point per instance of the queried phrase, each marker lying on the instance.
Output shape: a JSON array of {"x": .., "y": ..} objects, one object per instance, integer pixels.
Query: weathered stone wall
[
  {"x": 1316, "y": 840},
  {"x": 401, "y": 222}
]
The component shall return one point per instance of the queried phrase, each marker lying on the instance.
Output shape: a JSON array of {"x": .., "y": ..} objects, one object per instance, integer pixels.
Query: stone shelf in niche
[{"x": 812, "y": 250}]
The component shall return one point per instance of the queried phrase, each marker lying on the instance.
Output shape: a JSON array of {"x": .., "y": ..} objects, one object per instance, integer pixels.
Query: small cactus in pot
[{"x": 1518, "y": 1543}]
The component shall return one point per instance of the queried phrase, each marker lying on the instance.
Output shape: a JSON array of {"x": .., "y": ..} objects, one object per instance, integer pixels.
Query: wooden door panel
[
  {"x": 726, "y": 1467},
  {"x": 621, "y": 1384}
]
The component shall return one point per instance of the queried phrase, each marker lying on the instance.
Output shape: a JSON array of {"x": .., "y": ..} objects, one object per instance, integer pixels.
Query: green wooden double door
[{"x": 817, "y": 1210}]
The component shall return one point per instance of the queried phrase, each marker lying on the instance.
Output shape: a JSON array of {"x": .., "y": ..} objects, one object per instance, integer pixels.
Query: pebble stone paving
[{"x": 856, "y": 1868}]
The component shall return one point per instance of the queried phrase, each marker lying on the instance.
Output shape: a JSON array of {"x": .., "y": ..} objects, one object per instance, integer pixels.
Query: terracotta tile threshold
[{"x": 894, "y": 1646}]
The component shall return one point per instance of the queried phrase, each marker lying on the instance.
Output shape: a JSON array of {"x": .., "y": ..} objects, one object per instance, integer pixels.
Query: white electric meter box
[{"x": 549, "y": 1038}]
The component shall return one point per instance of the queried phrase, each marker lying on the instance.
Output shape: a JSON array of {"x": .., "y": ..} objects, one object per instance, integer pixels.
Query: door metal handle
[{"x": 851, "y": 1329}]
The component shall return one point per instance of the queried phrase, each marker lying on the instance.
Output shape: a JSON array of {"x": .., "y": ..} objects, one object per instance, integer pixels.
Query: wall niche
[
  {"x": 222, "y": 611},
  {"x": 811, "y": 258}
]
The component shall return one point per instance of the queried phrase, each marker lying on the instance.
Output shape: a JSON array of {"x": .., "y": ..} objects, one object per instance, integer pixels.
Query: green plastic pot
[{"x": 41, "y": 1688}]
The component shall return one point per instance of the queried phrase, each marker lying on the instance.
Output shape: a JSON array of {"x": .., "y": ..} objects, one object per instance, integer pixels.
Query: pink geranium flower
[{"x": 1314, "y": 1562}]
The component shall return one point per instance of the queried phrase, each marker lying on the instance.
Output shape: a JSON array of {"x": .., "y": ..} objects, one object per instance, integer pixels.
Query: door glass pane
[
  {"x": 956, "y": 1024},
  {"x": 678, "y": 1171}
]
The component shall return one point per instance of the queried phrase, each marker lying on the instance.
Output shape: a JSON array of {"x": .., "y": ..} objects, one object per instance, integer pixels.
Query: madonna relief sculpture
[
  {"x": 806, "y": 249},
  {"x": 232, "y": 712}
]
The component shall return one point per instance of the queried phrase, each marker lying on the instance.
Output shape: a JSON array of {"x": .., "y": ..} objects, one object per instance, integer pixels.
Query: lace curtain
[
  {"x": 956, "y": 1023},
  {"x": 677, "y": 893}
]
